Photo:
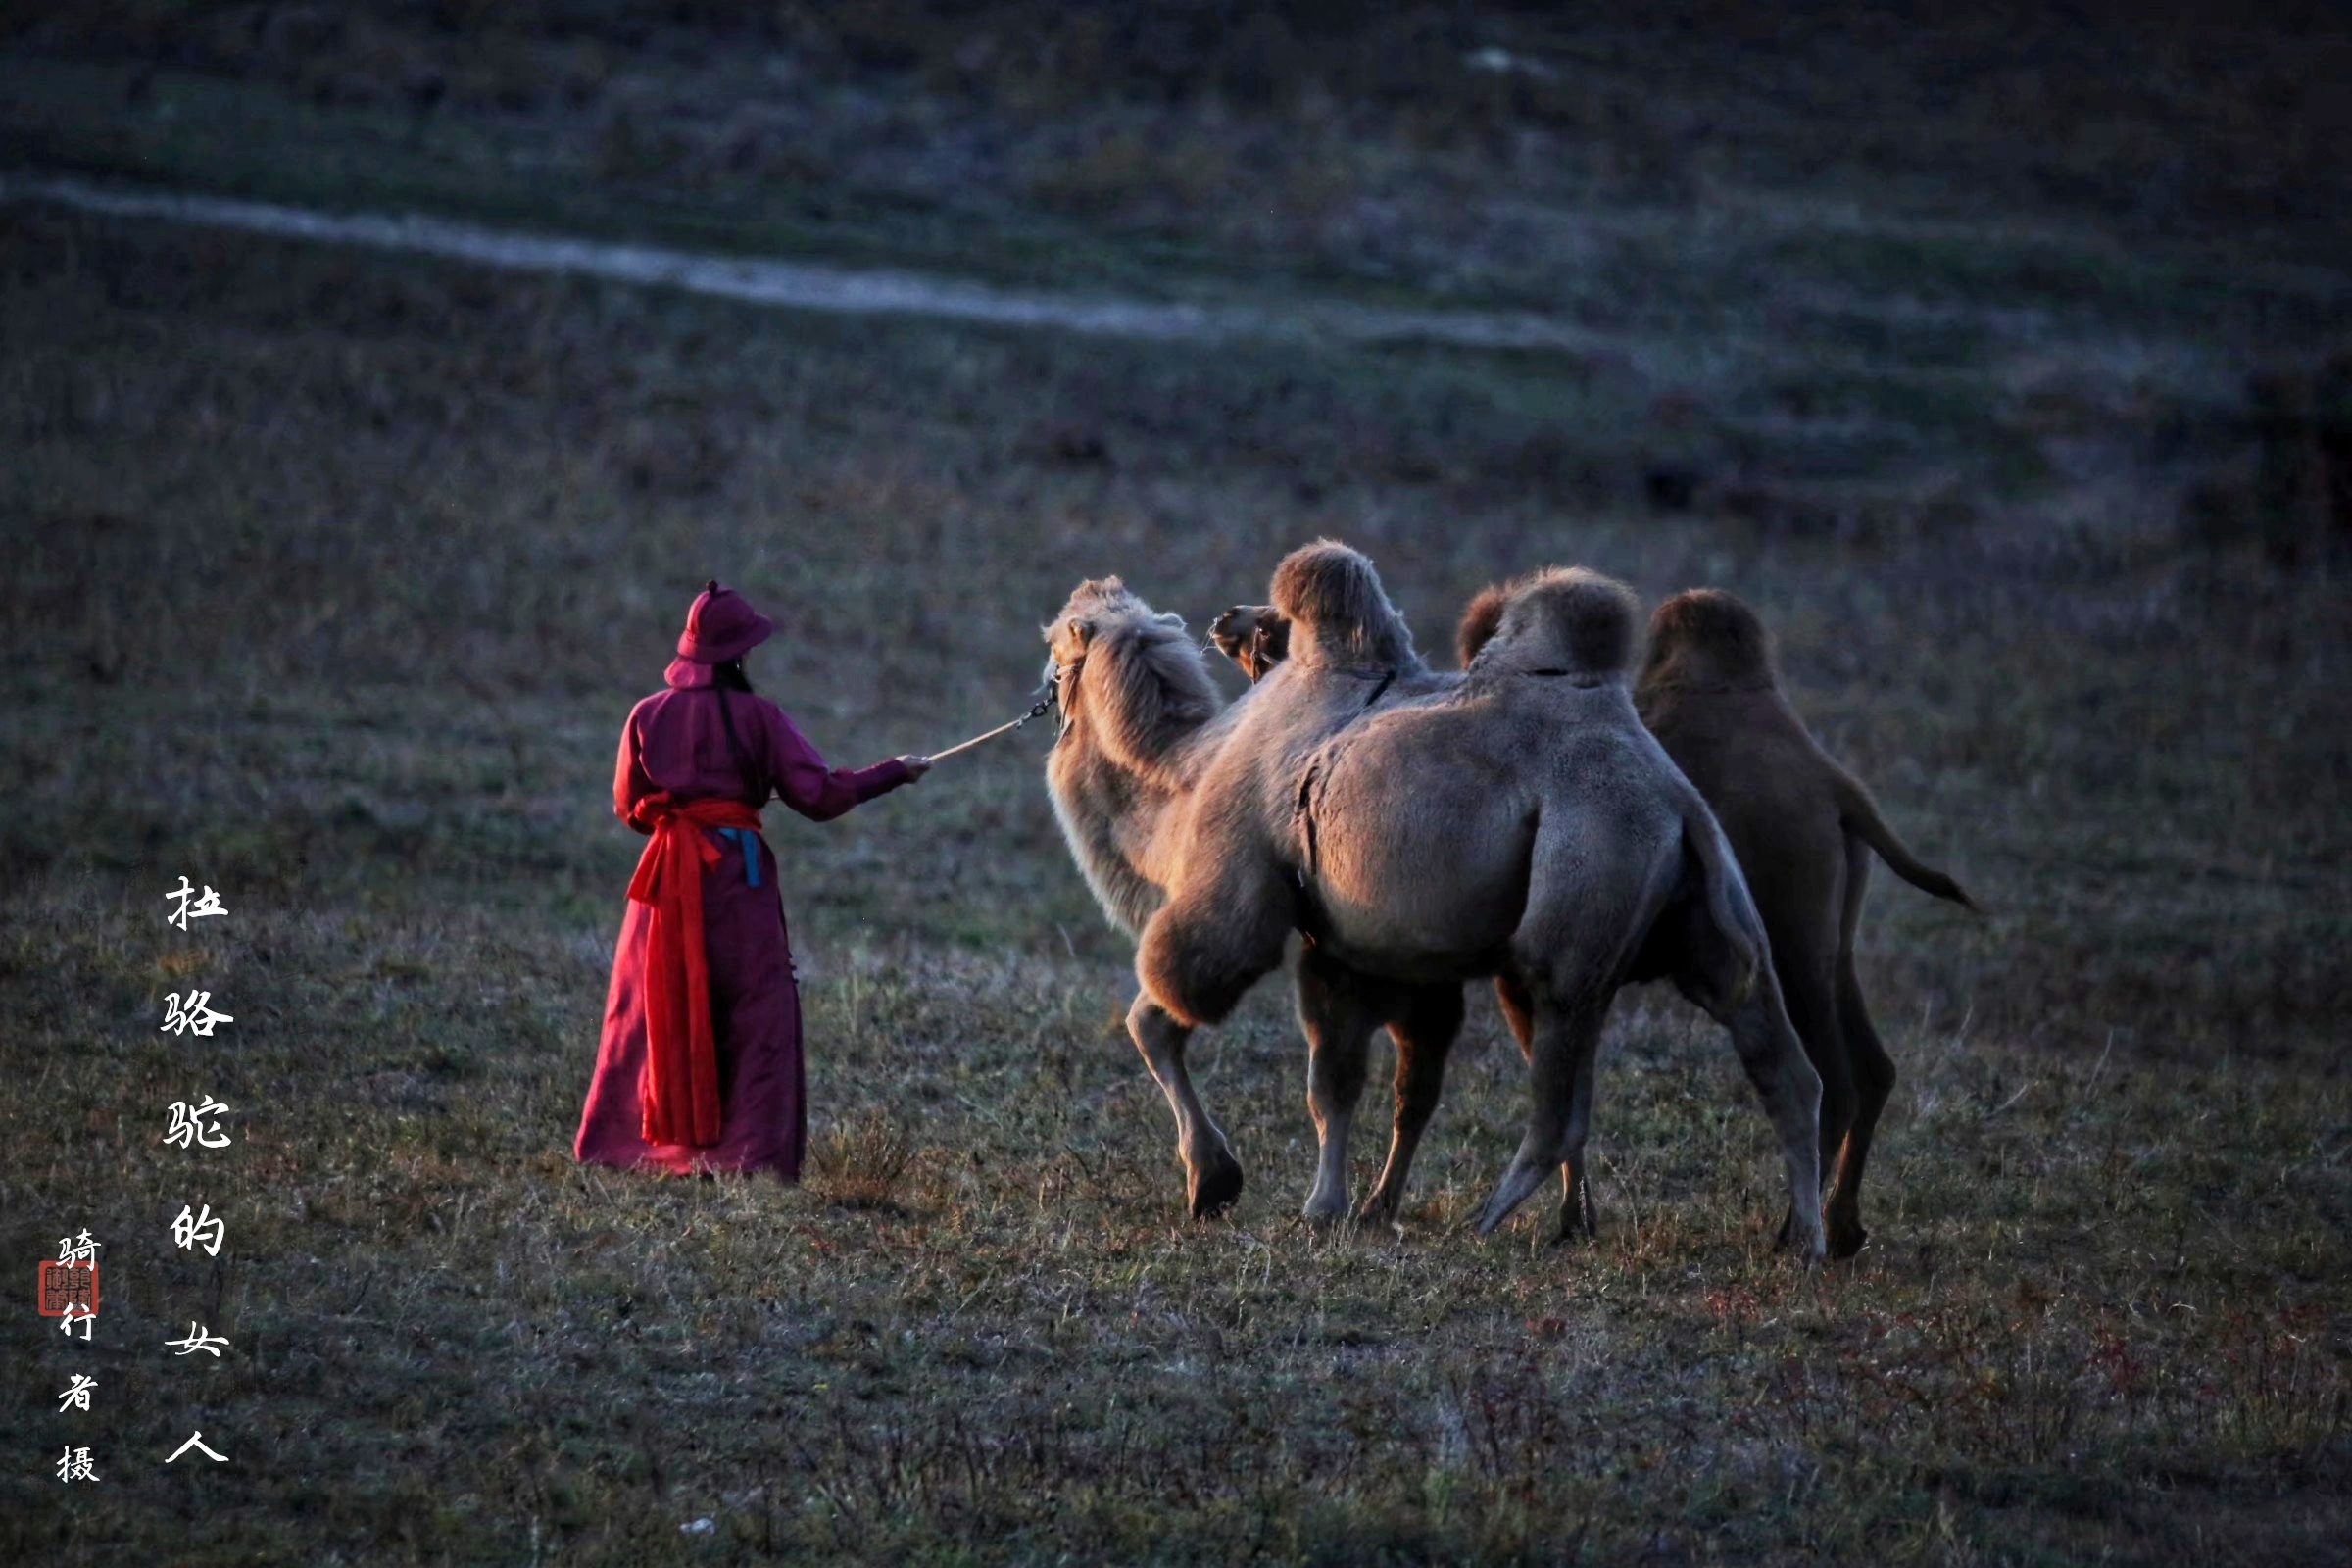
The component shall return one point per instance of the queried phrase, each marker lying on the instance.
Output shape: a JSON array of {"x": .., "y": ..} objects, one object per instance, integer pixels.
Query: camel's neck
[
  {"x": 1125, "y": 760},
  {"x": 1111, "y": 818}
]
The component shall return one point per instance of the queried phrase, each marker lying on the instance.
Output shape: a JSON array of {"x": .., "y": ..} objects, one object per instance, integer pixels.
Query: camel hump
[
  {"x": 1339, "y": 612},
  {"x": 1565, "y": 619},
  {"x": 1706, "y": 638},
  {"x": 1482, "y": 618}
]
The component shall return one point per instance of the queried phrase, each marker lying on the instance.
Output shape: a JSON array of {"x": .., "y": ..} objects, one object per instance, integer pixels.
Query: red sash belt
[{"x": 679, "y": 1089}]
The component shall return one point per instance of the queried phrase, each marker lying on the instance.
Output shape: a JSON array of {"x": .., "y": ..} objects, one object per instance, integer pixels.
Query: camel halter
[{"x": 1038, "y": 710}]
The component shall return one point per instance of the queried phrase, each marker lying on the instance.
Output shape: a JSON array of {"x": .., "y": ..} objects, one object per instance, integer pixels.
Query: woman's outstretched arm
[{"x": 821, "y": 793}]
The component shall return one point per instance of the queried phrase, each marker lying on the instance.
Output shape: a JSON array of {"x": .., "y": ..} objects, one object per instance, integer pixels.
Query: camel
[
  {"x": 1804, "y": 829},
  {"x": 1142, "y": 722},
  {"x": 1407, "y": 823},
  {"x": 1255, "y": 637},
  {"x": 1797, "y": 822}
]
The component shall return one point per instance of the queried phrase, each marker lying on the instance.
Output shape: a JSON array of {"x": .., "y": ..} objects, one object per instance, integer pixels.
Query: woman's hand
[{"x": 916, "y": 766}]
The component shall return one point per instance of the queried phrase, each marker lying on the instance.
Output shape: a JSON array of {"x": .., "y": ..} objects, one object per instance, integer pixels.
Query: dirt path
[{"x": 813, "y": 286}]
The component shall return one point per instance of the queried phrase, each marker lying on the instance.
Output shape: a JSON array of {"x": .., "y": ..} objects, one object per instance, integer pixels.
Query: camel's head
[
  {"x": 1094, "y": 604},
  {"x": 1564, "y": 620},
  {"x": 1148, "y": 647},
  {"x": 1255, "y": 637},
  {"x": 1098, "y": 607},
  {"x": 1338, "y": 612},
  {"x": 1706, "y": 640}
]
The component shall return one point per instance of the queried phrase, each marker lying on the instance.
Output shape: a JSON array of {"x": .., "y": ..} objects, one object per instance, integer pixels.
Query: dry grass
[
  {"x": 330, "y": 577},
  {"x": 861, "y": 1163}
]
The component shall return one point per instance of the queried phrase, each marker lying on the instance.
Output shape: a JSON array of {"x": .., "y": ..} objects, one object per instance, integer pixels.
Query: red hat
[{"x": 721, "y": 625}]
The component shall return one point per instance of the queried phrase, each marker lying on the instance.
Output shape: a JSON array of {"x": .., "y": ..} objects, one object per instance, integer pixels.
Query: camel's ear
[
  {"x": 1169, "y": 617},
  {"x": 1082, "y": 629}
]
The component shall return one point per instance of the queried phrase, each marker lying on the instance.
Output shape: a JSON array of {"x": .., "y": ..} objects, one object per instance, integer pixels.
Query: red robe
[{"x": 676, "y": 744}]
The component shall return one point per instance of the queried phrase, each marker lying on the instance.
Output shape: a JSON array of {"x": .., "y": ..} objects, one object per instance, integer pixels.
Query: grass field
[{"x": 331, "y": 577}]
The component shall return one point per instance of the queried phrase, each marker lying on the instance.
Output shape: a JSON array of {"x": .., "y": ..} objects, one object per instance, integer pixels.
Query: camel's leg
[
  {"x": 1569, "y": 955},
  {"x": 1423, "y": 1031},
  {"x": 1809, "y": 991},
  {"x": 1775, "y": 1061},
  {"x": 1560, "y": 1108},
  {"x": 1790, "y": 1090},
  {"x": 1215, "y": 938},
  {"x": 1339, "y": 1017},
  {"x": 1195, "y": 959},
  {"x": 1518, "y": 1011},
  {"x": 1578, "y": 1216},
  {"x": 1576, "y": 1193},
  {"x": 1874, "y": 1082},
  {"x": 1212, "y": 1176}
]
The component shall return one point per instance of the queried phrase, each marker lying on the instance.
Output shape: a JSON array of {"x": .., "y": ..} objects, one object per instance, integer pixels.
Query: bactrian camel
[
  {"x": 1800, "y": 826},
  {"x": 1804, "y": 830},
  {"x": 1518, "y": 822}
]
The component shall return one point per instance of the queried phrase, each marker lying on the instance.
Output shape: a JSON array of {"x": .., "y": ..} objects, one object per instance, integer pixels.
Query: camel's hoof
[
  {"x": 1378, "y": 1209},
  {"x": 1215, "y": 1187},
  {"x": 1579, "y": 1216},
  {"x": 1491, "y": 1218},
  {"x": 1812, "y": 1248},
  {"x": 1321, "y": 1212},
  {"x": 1847, "y": 1240}
]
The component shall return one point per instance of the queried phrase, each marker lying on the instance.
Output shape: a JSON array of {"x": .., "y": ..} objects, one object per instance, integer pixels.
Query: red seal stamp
[{"x": 68, "y": 1288}]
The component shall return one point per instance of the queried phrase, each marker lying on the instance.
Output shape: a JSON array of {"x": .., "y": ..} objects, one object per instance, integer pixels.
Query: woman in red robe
[{"x": 699, "y": 1067}]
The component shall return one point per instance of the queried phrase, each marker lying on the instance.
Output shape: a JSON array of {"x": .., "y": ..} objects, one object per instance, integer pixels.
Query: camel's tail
[
  {"x": 1862, "y": 820},
  {"x": 1721, "y": 874}
]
